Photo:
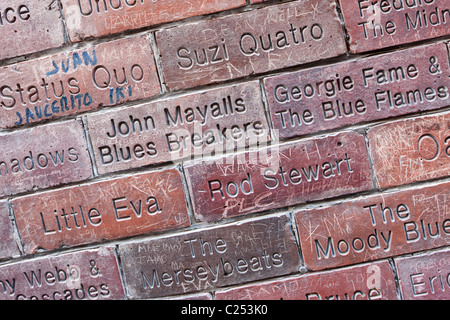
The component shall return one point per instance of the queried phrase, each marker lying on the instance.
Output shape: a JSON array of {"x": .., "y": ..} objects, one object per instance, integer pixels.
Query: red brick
[
  {"x": 83, "y": 275},
  {"x": 275, "y": 177},
  {"x": 91, "y": 77},
  {"x": 367, "y": 89},
  {"x": 28, "y": 26},
  {"x": 105, "y": 210},
  {"x": 8, "y": 245},
  {"x": 87, "y": 19},
  {"x": 375, "y": 227},
  {"x": 375, "y": 25},
  {"x": 363, "y": 282},
  {"x": 228, "y": 43},
  {"x": 214, "y": 121},
  {"x": 411, "y": 150},
  {"x": 425, "y": 276},
  {"x": 42, "y": 157},
  {"x": 209, "y": 258}
]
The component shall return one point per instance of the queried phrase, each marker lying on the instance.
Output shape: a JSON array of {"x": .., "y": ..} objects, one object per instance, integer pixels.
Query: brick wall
[{"x": 225, "y": 149}]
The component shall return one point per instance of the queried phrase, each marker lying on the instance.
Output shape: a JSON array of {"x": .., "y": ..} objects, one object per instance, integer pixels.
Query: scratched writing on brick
[
  {"x": 210, "y": 258},
  {"x": 272, "y": 177},
  {"x": 356, "y": 91}
]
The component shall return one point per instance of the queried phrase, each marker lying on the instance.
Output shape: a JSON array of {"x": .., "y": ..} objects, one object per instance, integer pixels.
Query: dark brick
[{"x": 209, "y": 258}]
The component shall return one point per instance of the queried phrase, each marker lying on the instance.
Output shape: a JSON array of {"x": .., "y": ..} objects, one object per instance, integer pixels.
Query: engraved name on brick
[
  {"x": 83, "y": 275},
  {"x": 252, "y": 42},
  {"x": 43, "y": 157},
  {"x": 411, "y": 150},
  {"x": 274, "y": 177},
  {"x": 379, "y": 24},
  {"x": 375, "y": 227},
  {"x": 93, "y": 18},
  {"x": 106, "y": 210},
  {"x": 351, "y": 92},
  {"x": 425, "y": 276},
  {"x": 28, "y": 26},
  {"x": 210, "y": 122},
  {"x": 77, "y": 81},
  {"x": 373, "y": 281},
  {"x": 210, "y": 258}
]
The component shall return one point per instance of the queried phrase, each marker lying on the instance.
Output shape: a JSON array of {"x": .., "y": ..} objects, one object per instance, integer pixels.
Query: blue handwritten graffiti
[
  {"x": 76, "y": 61},
  {"x": 56, "y": 106}
]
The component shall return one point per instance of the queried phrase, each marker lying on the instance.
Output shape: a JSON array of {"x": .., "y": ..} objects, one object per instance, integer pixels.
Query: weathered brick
[
  {"x": 93, "y": 18},
  {"x": 204, "y": 123},
  {"x": 42, "y": 157},
  {"x": 375, "y": 227},
  {"x": 83, "y": 275},
  {"x": 279, "y": 176},
  {"x": 425, "y": 276},
  {"x": 77, "y": 81},
  {"x": 411, "y": 150},
  {"x": 209, "y": 258},
  {"x": 105, "y": 210},
  {"x": 252, "y": 42},
  {"x": 373, "y": 281},
  {"x": 28, "y": 26},
  {"x": 360, "y": 90},
  {"x": 8, "y": 245},
  {"x": 375, "y": 25}
]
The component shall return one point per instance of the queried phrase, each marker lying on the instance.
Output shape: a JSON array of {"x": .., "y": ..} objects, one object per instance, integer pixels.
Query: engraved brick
[
  {"x": 209, "y": 258},
  {"x": 425, "y": 276},
  {"x": 8, "y": 246},
  {"x": 204, "y": 123},
  {"x": 28, "y": 26},
  {"x": 105, "y": 210},
  {"x": 360, "y": 90},
  {"x": 279, "y": 176},
  {"x": 77, "y": 81},
  {"x": 93, "y": 18},
  {"x": 411, "y": 150},
  {"x": 373, "y": 281},
  {"x": 375, "y": 25},
  {"x": 43, "y": 157},
  {"x": 374, "y": 227},
  {"x": 83, "y": 275},
  {"x": 252, "y": 42}
]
